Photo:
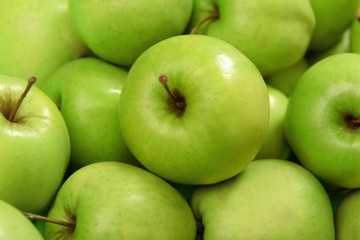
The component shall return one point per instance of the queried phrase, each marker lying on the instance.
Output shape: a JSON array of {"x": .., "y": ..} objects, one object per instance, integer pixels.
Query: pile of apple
[{"x": 181, "y": 119}]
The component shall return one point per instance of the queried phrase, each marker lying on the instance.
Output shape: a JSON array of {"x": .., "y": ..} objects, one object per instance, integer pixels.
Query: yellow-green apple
[
  {"x": 275, "y": 144},
  {"x": 87, "y": 92},
  {"x": 322, "y": 121},
  {"x": 270, "y": 199},
  {"x": 347, "y": 223},
  {"x": 114, "y": 200},
  {"x": 14, "y": 225},
  {"x": 119, "y": 31},
  {"x": 34, "y": 146},
  {"x": 272, "y": 34},
  {"x": 286, "y": 79},
  {"x": 194, "y": 110},
  {"x": 36, "y": 38},
  {"x": 332, "y": 20}
]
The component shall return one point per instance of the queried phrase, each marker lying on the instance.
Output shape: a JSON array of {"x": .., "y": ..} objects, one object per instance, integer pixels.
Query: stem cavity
[{"x": 179, "y": 103}]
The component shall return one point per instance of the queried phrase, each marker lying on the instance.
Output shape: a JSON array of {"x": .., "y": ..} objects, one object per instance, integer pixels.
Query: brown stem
[
  {"x": 336, "y": 191},
  {"x": 355, "y": 121},
  {"x": 179, "y": 104},
  {"x": 46, "y": 219},
  {"x": 31, "y": 81},
  {"x": 197, "y": 26}
]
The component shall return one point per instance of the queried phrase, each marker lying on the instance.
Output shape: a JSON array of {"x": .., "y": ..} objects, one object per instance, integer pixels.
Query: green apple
[
  {"x": 36, "y": 38},
  {"x": 322, "y": 120},
  {"x": 275, "y": 144},
  {"x": 272, "y": 34},
  {"x": 286, "y": 79},
  {"x": 215, "y": 125},
  {"x": 87, "y": 91},
  {"x": 113, "y": 200},
  {"x": 14, "y": 225},
  {"x": 342, "y": 46},
  {"x": 119, "y": 31},
  {"x": 270, "y": 199},
  {"x": 355, "y": 35},
  {"x": 332, "y": 20},
  {"x": 34, "y": 147},
  {"x": 347, "y": 223}
]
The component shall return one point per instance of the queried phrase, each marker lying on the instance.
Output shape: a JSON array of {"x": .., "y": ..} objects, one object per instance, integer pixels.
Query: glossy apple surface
[
  {"x": 113, "y": 200},
  {"x": 270, "y": 199},
  {"x": 322, "y": 120},
  {"x": 224, "y": 121},
  {"x": 34, "y": 147},
  {"x": 87, "y": 92}
]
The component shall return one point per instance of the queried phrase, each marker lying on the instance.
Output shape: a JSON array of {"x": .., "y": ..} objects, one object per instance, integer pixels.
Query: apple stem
[
  {"x": 179, "y": 104},
  {"x": 197, "y": 26},
  {"x": 340, "y": 189},
  {"x": 355, "y": 121},
  {"x": 46, "y": 219},
  {"x": 31, "y": 81}
]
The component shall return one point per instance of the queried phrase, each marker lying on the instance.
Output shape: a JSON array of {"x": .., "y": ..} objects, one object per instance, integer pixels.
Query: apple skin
[
  {"x": 275, "y": 144},
  {"x": 34, "y": 148},
  {"x": 316, "y": 121},
  {"x": 332, "y": 20},
  {"x": 286, "y": 79},
  {"x": 14, "y": 224},
  {"x": 36, "y": 38},
  {"x": 119, "y": 31},
  {"x": 87, "y": 91},
  {"x": 202, "y": 144},
  {"x": 355, "y": 36},
  {"x": 272, "y": 34},
  {"x": 270, "y": 199},
  {"x": 347, "y": 217},
  {"x": 113, "y": 200}
]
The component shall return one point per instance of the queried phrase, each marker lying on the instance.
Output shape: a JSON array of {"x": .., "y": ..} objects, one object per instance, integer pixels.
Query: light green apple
[
  {"x": 120, "y": 30},
  {"x": 272, "y": 34},
  {"x": 286, "y": 79},
  {"x": 113, "y": 200},
  {"x": 36, "y": 38},
  {"x": 332, "y": 20},
  {"x": 218, "y": 121},
  {"x": 14, "y": 225},
  {"x": 322, "y": 120},
  {"x": 347, "y": 223},
  {"x": 341, "y": 46},
  {"x": 87, "y": 91},
  {"x": 275, "y": 144},
  {"x": 34, "y": 147},
  {"x": 271, "y": 199}
]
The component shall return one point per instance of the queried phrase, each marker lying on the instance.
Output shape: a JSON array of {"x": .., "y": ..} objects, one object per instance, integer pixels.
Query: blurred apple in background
[
  {"x": 355, "y": 35},
  {"x": 210, "y": 124},
  {"x": 119, "y": 31},
  {"x": 270, "y": 199},
  {"x": 14, "y": 225},
  {"x": 87, "y": 91},
  {"x": 272, "y": 34},
  {"x": 275, "y": 144},
  {"x": 322, "y": 120},
  {"x": 34, "y": 147},
  {"x": 36, "y": 38},
  {"x": 113, "y": 200}
]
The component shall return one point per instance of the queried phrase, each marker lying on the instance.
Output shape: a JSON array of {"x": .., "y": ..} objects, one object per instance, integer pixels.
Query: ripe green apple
[
  {"x": 119, "y": 31},
  {"x": 36, "y": 38},
  {"x": 34, "y": 147},
  {"x": 275, "y": 144},
  {"x": 271, "y": 199},
  {"x": 218, "y": 121},
  {"x": 286, "y": 79},
  {"x": 114, "y": 200},
  {"x": 14, "y": 225},
  {"x": 322, "y": 120},
  {"x": 347, "y": 223},
  {"x": 332, "y": 20},
  {"x": 87, "y": 91},
  {"x": 272, "y": 34}
]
